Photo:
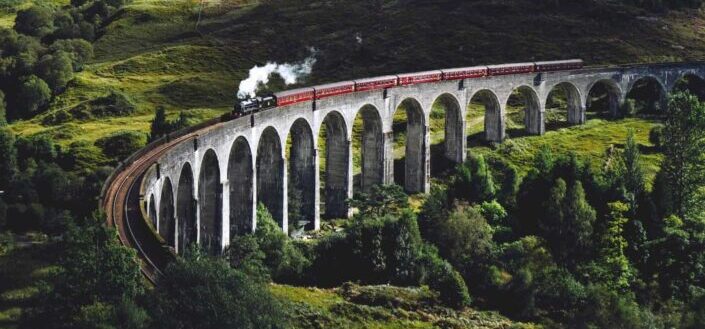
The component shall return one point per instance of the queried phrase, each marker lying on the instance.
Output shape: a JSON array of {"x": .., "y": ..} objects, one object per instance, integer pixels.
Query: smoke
[
  {"x": 291, "y": 73},
  {"x": 358, "y": 38}
]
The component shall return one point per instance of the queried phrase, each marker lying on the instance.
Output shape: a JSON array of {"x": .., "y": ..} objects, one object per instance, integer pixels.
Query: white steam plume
[{"x": 289, "y": 72}]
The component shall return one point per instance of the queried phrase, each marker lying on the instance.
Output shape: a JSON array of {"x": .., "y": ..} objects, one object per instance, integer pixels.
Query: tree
[
  {"x": 95, "y": 269},
  {"x": 473, "y": 181},
  {"x": 613, "y": 268},
  {"x": 203, "y": 292},
  {"x": 56, "y": 70},
  {"x": 382, "y": 200},
  {"x": 37, "y": 21},
  {"x": 633, "y": 172},
  {"x": 34, "y": 94},
  {"x": 79, "y": 50},
  {"x": 683, "y": 165},
  {"x": 8, "y": 160},
  {"x": 160, "y": 126},
  {"x": 567, "y": 225}
]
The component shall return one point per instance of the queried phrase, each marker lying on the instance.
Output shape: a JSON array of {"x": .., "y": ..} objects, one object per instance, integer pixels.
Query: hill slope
[{"x": 183, "y": 56}]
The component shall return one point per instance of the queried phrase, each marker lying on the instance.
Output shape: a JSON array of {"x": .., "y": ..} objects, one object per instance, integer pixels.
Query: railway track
[{"x": 120, "y": 199}]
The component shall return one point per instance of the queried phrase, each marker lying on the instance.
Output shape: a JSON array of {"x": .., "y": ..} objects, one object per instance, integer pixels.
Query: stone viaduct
[{"x": 206, "y": 190}]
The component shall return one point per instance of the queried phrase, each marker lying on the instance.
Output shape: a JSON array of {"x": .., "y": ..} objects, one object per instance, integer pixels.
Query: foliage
[
  {"x": 656, "y": 136},
  {"x": 8, "y": 162},
  {"x": 35, "y": 21},
  {"x": 56, "y": 69},
  {"x": 380, "y": 201},
  {"x": 683, "y": 165},
  {"x": 122, "y": 144},
  {"x": 203, "y": 292},
  {"x": 473, "y": 181},
  {"x": 33, "y": 95},
  {"x": 97, "y": 271}
]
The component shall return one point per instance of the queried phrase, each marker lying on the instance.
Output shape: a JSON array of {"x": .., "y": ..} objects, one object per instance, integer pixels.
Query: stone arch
[
  {"x": 371, "y": 143},
  {"x": 270, "y": 174},
  {"x": 210, "y": 201},
  {"x": 337, "y": 156},
  {"x": 167, "y": 223},
  {"x": 186, "y": 209},
  {"x": 153, "y": 210},
  {"x": 301, "y": 187},
  {"x": 241, "y": 186},
  {"x": 643, "y": 98},
  {"x": 533, "y": 115},
  {"x": 603, "y": 95},
  {"x": 493, "y": 120},
  {"x": 453, "y": 133},
  {"x": 691, "y": 82},
  {"x": 574, "y": 108},
  {"x": 415, "y": 155}
]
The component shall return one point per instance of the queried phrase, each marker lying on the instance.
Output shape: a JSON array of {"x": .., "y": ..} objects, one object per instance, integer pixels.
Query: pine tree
[
  {"x": 633, "y": 173},
  {"x": 8, "y": 160},
  {"x": 160, "y": 126},
  {"x": 683, "y": 165}
]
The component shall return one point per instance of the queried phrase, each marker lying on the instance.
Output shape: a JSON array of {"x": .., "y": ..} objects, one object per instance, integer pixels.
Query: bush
[
  {"x": 33, "y": 95},
  {"x": 56, "y": 69},
  {"x": 122, "y": 144},
  {"x": 656, "y": 136},
  {"x": 443, "y": 278},
  {"x": 204, "y": 292},
  {"x": 36, "y": 21}
]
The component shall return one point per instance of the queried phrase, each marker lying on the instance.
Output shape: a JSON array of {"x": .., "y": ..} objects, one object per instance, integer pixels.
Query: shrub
[
  {"x": 443, "y": 278},
  {"x": 656, "y": 136},
  {"x": 36, "y": 21},
  {"x": 204, "y": 292},
  {"x": 56, "y": 69},
  {"x": 33, "y": 95},
  {"x": 121, "y": 144}
]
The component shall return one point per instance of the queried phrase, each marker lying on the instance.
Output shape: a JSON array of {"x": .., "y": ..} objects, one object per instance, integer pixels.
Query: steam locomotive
[{"x": 288, "y": 97}]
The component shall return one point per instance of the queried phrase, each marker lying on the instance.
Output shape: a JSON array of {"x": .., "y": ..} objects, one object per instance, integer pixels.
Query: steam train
[{"x": 288, "y": 97}]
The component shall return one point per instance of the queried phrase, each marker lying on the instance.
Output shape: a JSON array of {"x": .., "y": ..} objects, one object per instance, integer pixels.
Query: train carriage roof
[
  {"x": 567, "y": 61},
  {"x": 509, "y": 65},
  {"x": 406, "y": 75},
  {"x": 334, "y": 85},
  {"x": 381, "y": 78},
  {"x": 296, "y": 91},
  {"x": 462, "y": 69}
]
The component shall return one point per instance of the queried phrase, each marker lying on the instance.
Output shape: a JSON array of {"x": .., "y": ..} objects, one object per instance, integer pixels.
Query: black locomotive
[{"x": 244, "y": 106}]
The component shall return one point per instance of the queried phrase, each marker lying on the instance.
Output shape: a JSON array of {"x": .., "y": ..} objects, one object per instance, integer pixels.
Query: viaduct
[{"x": 202, "y": 185}]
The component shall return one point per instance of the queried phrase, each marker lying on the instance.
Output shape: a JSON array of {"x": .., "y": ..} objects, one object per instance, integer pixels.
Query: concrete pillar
[
  {"x": 534, "y": 121},
  {"x": 225, "y": 214},
  {"x": 576, "y": 113},
  {"x": 495, "y": 123},
  {"x": 350, "y": 178},
  {"x": 316, "y": 189},
  {"x": 285, "y": 196},
  {"x": 388, "y": 147},
  {"x": 254, "y": 194},
  {"x": 426, "y": 149}
]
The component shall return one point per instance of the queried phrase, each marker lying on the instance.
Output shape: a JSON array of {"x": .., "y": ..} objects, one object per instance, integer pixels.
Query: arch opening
[
  {"x": 186, "y": 209},
  {"x": 270, "y": 174},
  {"x": 646, "y": 96},
  {"x": 368, "y": 137},
  {"x": 210, "y": 201},
  {"x": 693, "y": 84},
  {"x": 334, "y": 151},
  {"x": 603, "y": 99},
  {"x": 484, "y": 119},
  {"x": 409, "y": 131},
  {"x": 241, "y": 188},
  {"x": 301, "y": 177},
  {"x": 563, "y": 106},
  {"x": 524, "y": 114},
  {"x": 447, "y": 134},
  {"x": 167, "y": 223}
]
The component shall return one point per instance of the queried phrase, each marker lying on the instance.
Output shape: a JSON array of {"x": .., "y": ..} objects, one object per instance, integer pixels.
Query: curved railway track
[{"x": 120, "y": 199}]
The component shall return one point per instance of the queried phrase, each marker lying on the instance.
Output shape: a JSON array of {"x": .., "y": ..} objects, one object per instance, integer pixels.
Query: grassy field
[
  {"x": 22, "y": 268},
  {"x": 380, "y": 307}
]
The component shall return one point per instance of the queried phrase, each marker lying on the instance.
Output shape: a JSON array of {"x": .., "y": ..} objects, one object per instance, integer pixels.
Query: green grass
[
  {"x": 159, "y": 53},
  {"x": 383, "y": 307},
  {"x": 21, "y": 270}
]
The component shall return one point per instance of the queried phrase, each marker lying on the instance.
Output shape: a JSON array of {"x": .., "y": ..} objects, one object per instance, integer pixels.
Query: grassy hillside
[{"x": 190, "y": 58}]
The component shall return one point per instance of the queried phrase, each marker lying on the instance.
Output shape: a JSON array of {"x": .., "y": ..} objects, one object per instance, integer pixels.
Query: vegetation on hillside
[{"x": 595, "y": 226}]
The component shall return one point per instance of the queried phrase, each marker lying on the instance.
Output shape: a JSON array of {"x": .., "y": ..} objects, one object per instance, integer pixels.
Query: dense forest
[{"x": 562, "y": 244}]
